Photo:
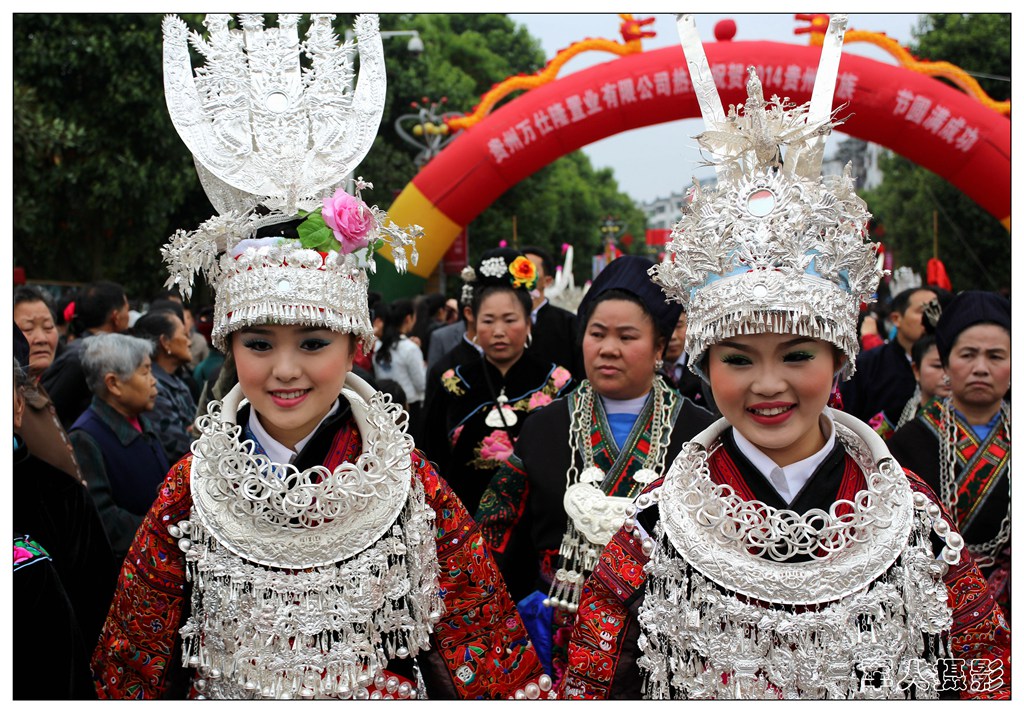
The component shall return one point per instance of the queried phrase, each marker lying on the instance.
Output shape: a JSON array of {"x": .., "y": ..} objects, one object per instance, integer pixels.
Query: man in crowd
[
  {"x": 554, "y": 328},
  {"x": 101, "y": 307},
  {"x": 678, "y": 372},
  {"x": 884, "y": 379}
]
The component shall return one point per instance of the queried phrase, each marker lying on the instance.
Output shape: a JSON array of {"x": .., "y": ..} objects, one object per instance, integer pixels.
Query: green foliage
[
  {"x": 564, "y": 202},
  {"x": 101, "y": 178},
  {"x": 978, "y": 43},
  {"x": 973, "y": 245},
  {"x": 98, "y": 168}
]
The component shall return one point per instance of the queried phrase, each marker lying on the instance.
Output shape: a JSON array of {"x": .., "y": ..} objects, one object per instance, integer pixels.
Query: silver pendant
[
  {"x": 494, "y": 417},
  {"x": 501, "y": 415}
]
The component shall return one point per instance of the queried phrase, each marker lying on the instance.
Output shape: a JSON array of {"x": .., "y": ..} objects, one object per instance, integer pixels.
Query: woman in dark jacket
[
  {"x": 118, "y": 450},
  {"x": 175, "y": 409},
  {"x": 618, "y": 430},
  {"x": 476, "y": 415}
]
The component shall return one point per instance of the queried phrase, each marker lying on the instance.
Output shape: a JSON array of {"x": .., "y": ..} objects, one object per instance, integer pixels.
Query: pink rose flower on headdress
[
  {"x": 560, "y": 377},
  {"x": 350, "y": 219},
  {"x": 497, "y": 447},
  {"x": 539, "y": 399},
  {"x": 21, "y": 554}
]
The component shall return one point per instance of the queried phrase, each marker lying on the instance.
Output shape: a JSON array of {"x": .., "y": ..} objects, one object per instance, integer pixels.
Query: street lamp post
[
  {"x": 415, "y": 46},
  {"x": 415, "y": 43}
]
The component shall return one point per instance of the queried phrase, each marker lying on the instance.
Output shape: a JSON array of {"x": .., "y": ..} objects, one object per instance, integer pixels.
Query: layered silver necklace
[
  {"x": 306, "y": 583},
  {"x": 727, "y": 615},
  {"x": 909, "y": 409},
  {"x": 984, "y": 553},
  {"x": 594, "y": 516}
]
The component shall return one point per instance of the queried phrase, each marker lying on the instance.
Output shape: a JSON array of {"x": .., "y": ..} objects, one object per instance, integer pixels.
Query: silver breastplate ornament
[
  {"x": 306, "y": 583},
  {"x": 595, "y": 516},
  {"x": 726, "y": 615}
]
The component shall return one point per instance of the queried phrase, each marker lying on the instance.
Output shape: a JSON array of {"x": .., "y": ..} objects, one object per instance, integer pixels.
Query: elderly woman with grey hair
[{"x": 119, "y": 452}]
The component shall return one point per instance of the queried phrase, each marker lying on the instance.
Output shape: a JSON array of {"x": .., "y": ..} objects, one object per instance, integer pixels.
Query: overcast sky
[{"x": 655, "y": 161}]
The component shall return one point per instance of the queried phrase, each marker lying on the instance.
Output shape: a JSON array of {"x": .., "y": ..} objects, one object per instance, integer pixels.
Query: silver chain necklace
[
  {"x": 984, "y": 553},
  {"x": 594, "y": 516},
  {"x": 910, "y": 409}
]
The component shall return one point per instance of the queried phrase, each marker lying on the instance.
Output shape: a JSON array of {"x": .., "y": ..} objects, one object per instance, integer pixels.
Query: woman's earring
[
  {"x": 659, "y": 364},
  {"x": 945, "y": 380},
  {"x": 475, "y": 341},
  {"x": 529, "y": 339}
]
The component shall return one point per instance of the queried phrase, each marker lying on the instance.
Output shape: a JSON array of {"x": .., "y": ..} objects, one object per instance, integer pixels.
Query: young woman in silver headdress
[
  {"x": 786, "y": 554},
  {"x": 304, "y": 548},
  {"x": 578, "y": 462}
]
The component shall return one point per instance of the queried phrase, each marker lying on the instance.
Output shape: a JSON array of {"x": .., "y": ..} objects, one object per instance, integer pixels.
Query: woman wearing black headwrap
[
  {"x": 579, "y": 461},
  {"x": 961, "y": 444}
]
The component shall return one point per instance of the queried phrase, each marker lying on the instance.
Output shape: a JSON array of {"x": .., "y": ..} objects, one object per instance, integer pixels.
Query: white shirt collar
[
  {"x": 533, "y": 314},
  {"x": 788, "y": 481},
  {"x": 470, "y": 342},
  {"x": 276, "y": 451},
  {"x": 630, "y": 406}
]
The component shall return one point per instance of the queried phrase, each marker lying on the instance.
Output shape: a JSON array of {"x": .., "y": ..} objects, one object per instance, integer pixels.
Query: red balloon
[{"x": 725, "y": 30}]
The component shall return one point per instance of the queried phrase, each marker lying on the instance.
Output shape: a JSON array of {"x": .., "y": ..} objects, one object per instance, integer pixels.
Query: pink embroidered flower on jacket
[
  {"x": 21, "y": 554},
  {"x": 496, "y": 447},
  {"x": 455, "y": 435},
  {"x": 560, "y": 376},
  {"x": 539, "y": 399},
  {"x": 350, "y": 219}
]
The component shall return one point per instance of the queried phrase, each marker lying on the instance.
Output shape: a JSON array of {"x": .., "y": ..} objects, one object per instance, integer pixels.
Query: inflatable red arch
[{"x": 921, "y": 118}]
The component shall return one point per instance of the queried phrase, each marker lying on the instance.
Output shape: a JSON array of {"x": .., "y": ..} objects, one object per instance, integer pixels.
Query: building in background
[{"x": 663, "y": 213}]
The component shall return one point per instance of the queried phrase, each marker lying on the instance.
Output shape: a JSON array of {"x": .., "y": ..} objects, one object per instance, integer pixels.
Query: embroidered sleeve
[
  {"x": 452, "y": 383},
  {"x": 558, "y": 383},
  {"x": 485, "y": 647},
  {"x": 980, "y": 636},
  {"x": 135, "y": 656},
  {"x": 603, "y": 620},
  {"x": 503, "y": 504}
]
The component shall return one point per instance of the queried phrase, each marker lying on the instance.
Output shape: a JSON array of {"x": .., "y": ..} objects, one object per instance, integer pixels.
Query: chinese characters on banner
[
  {"x": 776, "y": 79},
  {"x": 918, "y": 109}
]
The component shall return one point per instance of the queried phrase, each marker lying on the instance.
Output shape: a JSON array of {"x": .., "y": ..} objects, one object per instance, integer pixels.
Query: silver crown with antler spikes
[
  {"x": 774, "y": 247},
  {"x": 272, "y": 139}
]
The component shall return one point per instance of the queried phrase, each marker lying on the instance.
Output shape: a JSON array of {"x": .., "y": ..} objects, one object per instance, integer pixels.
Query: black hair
[
  {"x": 901, "y": 301},
  {"x": 27, "y": 293},
  {"x": 374, "y": 301},
  {"x": 169, "y": 295},
  {"x": 482, "y": 292},
  {"x": 546, "y": 261},
  {"x": 920, "y": 348},
  {"x": 394, "y": 316},
  {"x": 94, "y": 304},
  {"x": 163, "y": 305},
  {"x": 617, "y": 294},
  {"x": 155, "y": 324},
  {"x": 426, "y": 307},
  {"x": 390, "y": 386}
]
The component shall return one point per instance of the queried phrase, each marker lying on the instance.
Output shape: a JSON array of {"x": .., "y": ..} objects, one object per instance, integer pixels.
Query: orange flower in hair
[{"x": 524, "y": 273}]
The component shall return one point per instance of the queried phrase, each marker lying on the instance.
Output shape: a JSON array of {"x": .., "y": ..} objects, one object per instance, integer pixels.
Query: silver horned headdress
[
  {"x": 775, "y": 246},
  {"x": 272, "y": 138}
]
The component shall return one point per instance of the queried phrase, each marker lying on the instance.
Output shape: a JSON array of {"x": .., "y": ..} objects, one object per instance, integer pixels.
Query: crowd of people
[{"x": 700, "y": 484}]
